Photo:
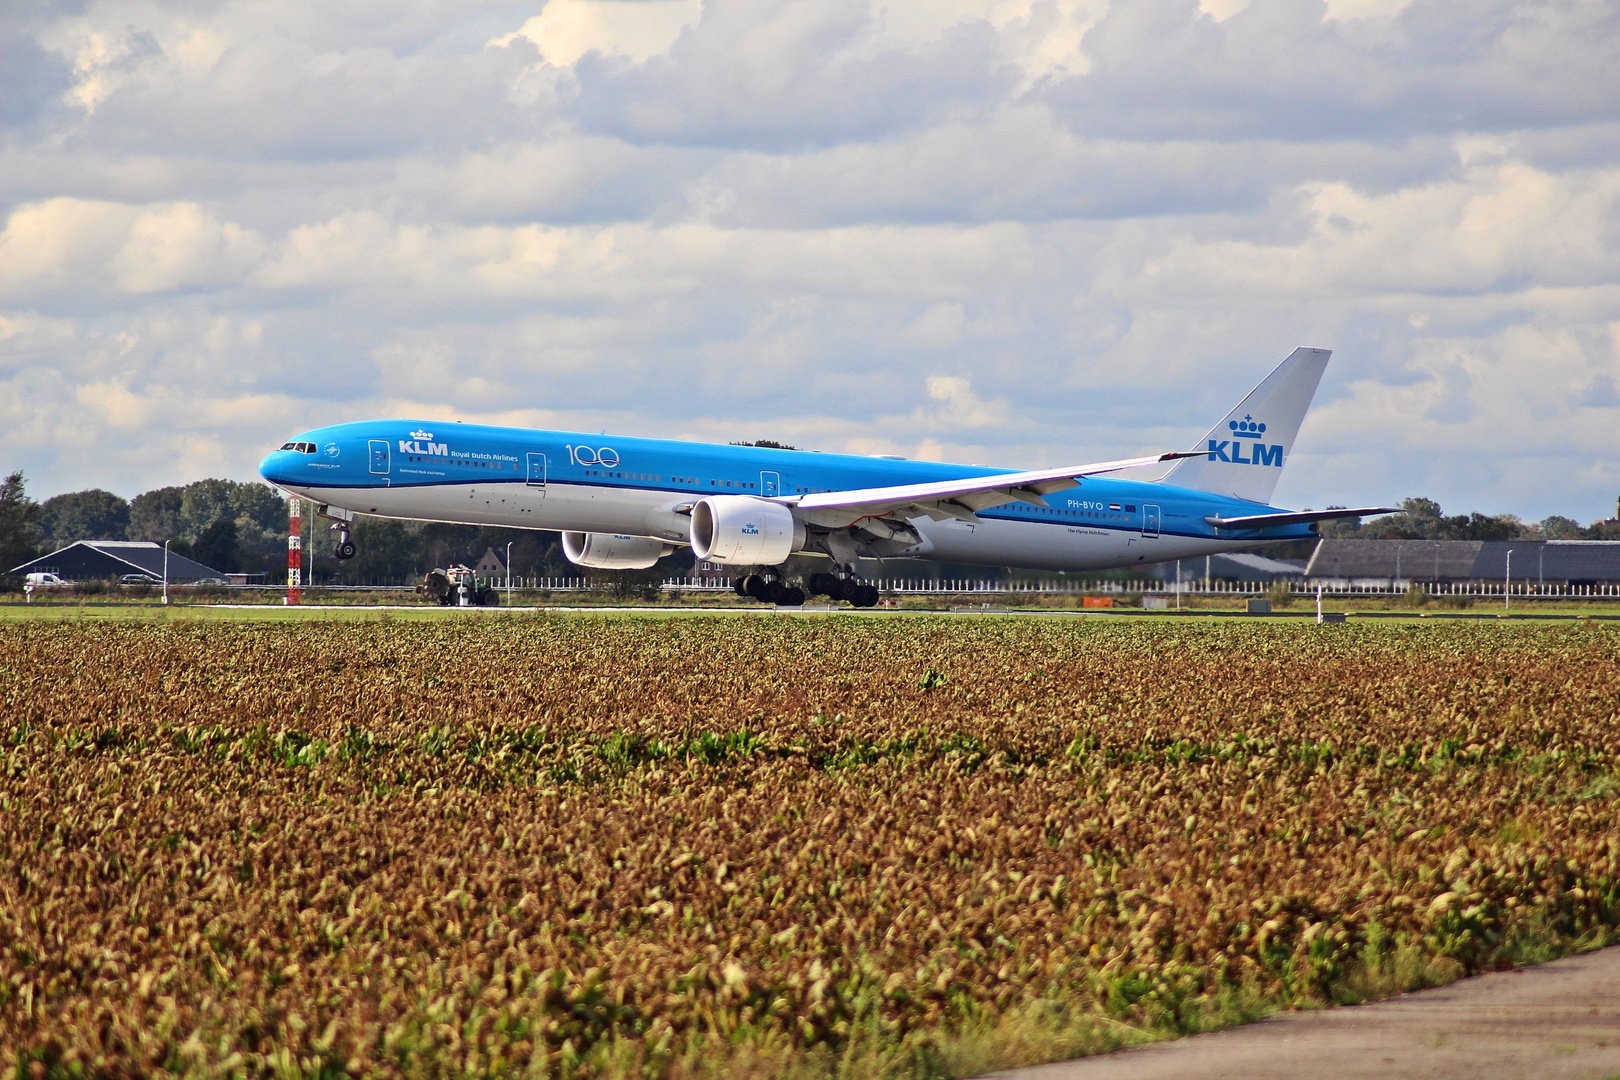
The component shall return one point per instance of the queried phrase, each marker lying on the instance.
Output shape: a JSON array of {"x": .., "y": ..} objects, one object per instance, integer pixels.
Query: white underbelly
[
  {"x": 553, "y": 506},
  {"x": 1042, "y": 546}
]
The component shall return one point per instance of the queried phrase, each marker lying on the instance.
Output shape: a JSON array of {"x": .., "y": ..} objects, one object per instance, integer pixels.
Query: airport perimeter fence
[{"x": 1300, "y": 588}]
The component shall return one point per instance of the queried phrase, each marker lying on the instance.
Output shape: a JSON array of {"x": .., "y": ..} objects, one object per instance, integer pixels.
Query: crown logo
[
  {"x": 1246, "y": 428},
  {"x": 421, "y": 434}
]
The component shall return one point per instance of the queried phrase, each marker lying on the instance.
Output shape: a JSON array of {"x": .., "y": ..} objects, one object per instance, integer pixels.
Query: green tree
[
  {"x": 186, "y": 513},
  {"x": 1420, "y": 515},
  {"x": 1343, "y": 528},
  {"x": 18, "y": 526},
  {"x": 1474, "y": 526},
  {"x": 1558, "y": 527},
  {"x": 216, "y": 547},
  {"x": 447, "y": 545},
  {"x": 202, "y": 503},
  {"x": 1414, "y": 521},
  {"x": 155, "y": 515},
  {"x": 387, "y": 550},
  {"x": 261, "y": 525},
  {"x": 83, "y": 515},
  {"x": 258, "y": 504}
]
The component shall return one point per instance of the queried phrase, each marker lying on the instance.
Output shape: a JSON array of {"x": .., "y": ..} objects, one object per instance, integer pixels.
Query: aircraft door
[
  {"x": 770, "y": 484},
  {"x": 379, "y": 457},
  {"x": 537, "y": 473},
  {"x": 1150, "y": 520}
]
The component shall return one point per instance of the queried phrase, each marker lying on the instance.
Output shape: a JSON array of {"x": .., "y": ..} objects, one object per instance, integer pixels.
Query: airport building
[
  {"x": 112, "y": 560},
  {"x": 1383, "y": 563}
]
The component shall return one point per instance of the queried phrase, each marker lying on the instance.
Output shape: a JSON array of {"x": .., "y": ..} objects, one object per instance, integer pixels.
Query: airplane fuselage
[{"x": 575, "y": 482}]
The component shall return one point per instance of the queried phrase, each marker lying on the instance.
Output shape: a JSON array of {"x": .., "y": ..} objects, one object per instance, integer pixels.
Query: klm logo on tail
[{"x": 1259, "y": 452}]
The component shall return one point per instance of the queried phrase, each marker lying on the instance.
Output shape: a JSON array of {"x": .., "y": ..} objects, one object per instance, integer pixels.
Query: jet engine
[
  {"x": 610, "y": 551},
  {"x": 742, "y": 530}
]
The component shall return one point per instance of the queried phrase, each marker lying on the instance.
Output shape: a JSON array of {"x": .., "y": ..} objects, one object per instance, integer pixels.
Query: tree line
[
  {"x": 225, "y": 524},
  {"x": 237, "y": 527},
  {"x": 1423, "y": 519}
]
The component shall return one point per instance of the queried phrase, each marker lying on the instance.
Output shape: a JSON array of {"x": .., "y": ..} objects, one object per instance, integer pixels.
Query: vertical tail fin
[{"x": 1248, "y": 448}]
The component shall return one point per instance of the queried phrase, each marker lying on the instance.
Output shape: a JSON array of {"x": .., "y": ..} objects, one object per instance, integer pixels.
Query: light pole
[
  {"x": 1507, "y": 580},
  {"x": 509, "y": 573},
  {"x": 165, "y": 571}
]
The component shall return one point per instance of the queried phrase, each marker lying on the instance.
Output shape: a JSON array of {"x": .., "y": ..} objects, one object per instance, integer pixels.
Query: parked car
[
  {"x": 43, "y": 580},
  {"x": 138, "y": 579},
  {"x": 211, "y": 581}
]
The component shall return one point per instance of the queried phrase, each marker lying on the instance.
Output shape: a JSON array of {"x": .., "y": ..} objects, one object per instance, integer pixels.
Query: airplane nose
[{"x": 274, "y": 467}]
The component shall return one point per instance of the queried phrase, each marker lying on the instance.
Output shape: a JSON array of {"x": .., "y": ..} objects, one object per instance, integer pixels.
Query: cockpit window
[
  {"x": 286, "y": 446},
  {"x": 299, "y": 447}
]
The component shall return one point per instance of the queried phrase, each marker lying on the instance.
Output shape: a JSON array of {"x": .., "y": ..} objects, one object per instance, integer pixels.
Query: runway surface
[{"x": 1556, "y": 1021}]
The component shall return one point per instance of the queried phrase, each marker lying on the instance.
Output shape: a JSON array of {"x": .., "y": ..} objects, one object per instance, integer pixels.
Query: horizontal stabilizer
[{"x": 1299, "y": 517}]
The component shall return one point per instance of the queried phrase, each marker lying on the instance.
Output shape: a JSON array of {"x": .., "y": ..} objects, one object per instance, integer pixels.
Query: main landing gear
[
  {"x": 769, "y": 590},
  {"x": 845, "y": 587}
]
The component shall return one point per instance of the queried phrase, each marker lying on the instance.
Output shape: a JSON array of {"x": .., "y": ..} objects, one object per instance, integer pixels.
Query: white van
[{"x": 40, "y": 581}]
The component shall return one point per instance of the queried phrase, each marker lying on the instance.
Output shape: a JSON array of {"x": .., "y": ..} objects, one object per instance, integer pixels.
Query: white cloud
[
  {"x": 961, "y": 407},
  {"x": 566, "y": 30},
  {"x": 1015, "y": 231},
  {"x": 180, "y": 246},
  {"x": 59, "y": 243},
  {"x": 68, "y": 246}
]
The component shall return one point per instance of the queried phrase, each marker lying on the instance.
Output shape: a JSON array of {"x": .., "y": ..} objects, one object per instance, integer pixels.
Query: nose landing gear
[{"x": 345, "y": 548}]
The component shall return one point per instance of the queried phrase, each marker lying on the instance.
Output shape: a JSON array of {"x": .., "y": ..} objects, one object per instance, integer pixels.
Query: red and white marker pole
[{"x": 295, "y": 550}]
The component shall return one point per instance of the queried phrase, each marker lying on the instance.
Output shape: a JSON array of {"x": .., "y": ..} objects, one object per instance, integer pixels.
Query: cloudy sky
[{"x": 1022, "y": 232}]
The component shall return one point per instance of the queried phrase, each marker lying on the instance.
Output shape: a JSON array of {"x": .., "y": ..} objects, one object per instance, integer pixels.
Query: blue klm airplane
[{"x": 624, "y": 503}]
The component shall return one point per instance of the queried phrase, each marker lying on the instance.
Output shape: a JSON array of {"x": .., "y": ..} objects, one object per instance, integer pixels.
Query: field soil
[{"x": 924, "y": 847}]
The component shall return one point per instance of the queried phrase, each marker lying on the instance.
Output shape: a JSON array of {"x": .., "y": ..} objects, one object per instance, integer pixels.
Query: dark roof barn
[
  {"x": 92, "y": 560},
  {"x": 1553, "y": 562},
  {"x": 1230, "y": 566}
]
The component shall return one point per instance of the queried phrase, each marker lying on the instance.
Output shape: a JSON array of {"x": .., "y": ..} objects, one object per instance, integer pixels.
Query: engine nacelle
[
  {"x": 610, "y": 551},
  {"x": 742, "y": 530}
]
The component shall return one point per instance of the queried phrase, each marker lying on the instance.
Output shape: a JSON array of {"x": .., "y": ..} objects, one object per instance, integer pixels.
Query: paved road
[{"x": 1557, "y": 1021}]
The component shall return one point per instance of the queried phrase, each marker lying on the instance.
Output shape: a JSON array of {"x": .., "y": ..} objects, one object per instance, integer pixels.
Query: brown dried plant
[{"x": 677, "y": 847}]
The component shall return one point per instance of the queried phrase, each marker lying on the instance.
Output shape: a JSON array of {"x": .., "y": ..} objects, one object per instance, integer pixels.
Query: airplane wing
[
  {"x": 1260, "y": 521},
  {"x": 962, "y": 499}
]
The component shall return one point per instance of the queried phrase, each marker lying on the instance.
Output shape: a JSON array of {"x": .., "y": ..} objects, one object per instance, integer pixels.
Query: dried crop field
[{"x": 612, "y": 846}]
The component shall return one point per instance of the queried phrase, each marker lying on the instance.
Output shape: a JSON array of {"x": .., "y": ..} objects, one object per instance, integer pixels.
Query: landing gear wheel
[
  {"x": 751, "y": 586},
  {"x": 866, "y": 596},
  {"x": 345, "y": 550},
  {"x": 793, "y": 597},
  {"x": 738, "y": 585},
  {"x": 771, "y": 592},
  {"x": 823, "y": 585},
  {"x": 847, "y": 589}
]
